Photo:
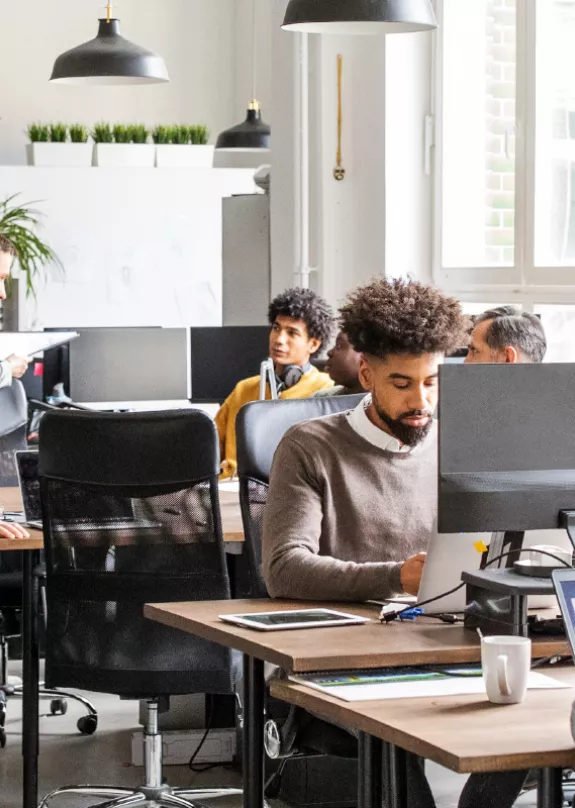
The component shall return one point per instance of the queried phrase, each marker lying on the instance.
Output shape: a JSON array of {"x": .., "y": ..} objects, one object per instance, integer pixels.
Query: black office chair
[
  {"x": 13, "y": 429},
  {"x": 131, "y": 515},
  {"x": 260, "y": 426}
]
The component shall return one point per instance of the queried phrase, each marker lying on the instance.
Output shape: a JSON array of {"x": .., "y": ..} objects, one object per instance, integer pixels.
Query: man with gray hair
[{"x": 507, "y": 335}]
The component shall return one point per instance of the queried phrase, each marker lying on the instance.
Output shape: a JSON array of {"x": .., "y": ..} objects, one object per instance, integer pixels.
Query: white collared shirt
[{"x": 360, "y": 423}]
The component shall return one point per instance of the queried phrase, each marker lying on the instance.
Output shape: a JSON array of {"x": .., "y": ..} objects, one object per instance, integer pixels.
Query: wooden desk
[
  {"x": 371, "y": 645},
  {"x": 232, "y": 525},
  {"x": 464, "y": 733}
]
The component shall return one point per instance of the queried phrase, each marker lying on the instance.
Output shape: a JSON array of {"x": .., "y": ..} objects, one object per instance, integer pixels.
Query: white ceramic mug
[{"x": 506, "y": 662}]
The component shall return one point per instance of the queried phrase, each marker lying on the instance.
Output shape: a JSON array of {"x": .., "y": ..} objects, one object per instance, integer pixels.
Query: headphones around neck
[{"x": 291, "y": 375}]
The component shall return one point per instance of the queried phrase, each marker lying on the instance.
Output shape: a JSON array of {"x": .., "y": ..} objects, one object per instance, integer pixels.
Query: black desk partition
[{"x": 221, "y": 357}]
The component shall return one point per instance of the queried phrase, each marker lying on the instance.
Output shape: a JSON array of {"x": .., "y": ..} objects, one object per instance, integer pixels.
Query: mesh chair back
[
  {"x": 13, "y": 422},
  {"x": 131, "y": 516},
  {"x": 260, "y": 426}
]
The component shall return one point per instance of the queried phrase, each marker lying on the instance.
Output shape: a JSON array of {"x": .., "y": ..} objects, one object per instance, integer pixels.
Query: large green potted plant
[{"x": 19, "y": 223}]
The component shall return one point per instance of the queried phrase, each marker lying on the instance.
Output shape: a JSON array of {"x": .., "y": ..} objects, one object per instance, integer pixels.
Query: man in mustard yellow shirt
[{"x": 301, "y": 322}]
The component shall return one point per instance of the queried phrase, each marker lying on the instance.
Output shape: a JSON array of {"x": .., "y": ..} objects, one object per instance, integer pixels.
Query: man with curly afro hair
[
  {"x": 301, "y": 323},
  {"x": 352, "y": 502}
]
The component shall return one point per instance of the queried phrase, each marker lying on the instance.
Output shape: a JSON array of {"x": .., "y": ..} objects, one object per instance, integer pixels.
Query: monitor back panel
[
  {"x": 129, "y": 364},
  {"x": 506, "y": 446},
  {"x": 221, "y": 357}
]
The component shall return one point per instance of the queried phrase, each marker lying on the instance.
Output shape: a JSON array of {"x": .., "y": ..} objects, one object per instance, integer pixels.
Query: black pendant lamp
[
  {"x": 359, "y": 16},
  {"x": 253, "y": 133},
  {"x": 109, "y": 59}
]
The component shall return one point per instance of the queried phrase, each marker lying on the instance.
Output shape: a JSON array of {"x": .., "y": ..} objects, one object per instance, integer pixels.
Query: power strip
[{"x": 178, "y": 746}]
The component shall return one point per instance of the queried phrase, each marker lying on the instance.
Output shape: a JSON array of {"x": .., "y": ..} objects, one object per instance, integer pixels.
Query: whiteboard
[{"x": 30, "y": 343}]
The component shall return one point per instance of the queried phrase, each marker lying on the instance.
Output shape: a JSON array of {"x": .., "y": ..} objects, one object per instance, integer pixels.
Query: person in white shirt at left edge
[{"x": 14, "y": 367}]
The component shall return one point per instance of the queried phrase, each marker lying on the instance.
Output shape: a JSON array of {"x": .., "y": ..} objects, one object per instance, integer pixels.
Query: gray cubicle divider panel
[{"x": 130, "y": 364}]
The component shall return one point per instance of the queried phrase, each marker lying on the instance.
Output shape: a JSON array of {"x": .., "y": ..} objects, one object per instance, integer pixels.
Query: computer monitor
[
  {"x": 124, "y": 364},
  {"x": 221, "y": 357},
  {"x": 506, "y": 447}
]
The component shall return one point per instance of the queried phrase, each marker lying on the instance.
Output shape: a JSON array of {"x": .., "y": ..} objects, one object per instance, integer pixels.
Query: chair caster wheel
[
  {"x": 58, "y": 707},
  {"x": 87, "y": 724}
]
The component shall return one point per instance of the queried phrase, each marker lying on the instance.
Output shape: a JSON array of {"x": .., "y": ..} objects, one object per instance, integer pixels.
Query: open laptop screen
[
  {"x": 564, "y": 582},
  {"x": 27, "y": 465}
]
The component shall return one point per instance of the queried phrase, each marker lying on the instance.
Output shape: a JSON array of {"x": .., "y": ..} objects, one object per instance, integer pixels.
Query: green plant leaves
[{"x": 18, "y": 224}]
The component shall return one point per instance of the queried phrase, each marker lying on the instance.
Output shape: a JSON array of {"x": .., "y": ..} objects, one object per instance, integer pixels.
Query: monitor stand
[
  {"x": 497, "y": 595},
  {"x": 511, "y": 541}
]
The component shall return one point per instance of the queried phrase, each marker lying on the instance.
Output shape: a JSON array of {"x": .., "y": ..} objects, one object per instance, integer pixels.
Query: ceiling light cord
[{"x": 254, "y": 50}]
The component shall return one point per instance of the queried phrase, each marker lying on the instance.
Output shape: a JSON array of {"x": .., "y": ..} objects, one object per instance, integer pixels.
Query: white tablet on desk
[{"x": 293, "y": 618}]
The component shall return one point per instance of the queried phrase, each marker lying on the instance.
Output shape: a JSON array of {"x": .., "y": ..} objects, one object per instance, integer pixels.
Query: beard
[{"x": 405, "y": 433}]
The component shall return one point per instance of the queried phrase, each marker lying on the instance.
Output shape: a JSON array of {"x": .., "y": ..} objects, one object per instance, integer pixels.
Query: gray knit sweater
[{"x": 342, "y": 514}]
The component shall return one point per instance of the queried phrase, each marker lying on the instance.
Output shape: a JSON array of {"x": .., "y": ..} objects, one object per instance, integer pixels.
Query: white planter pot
[
  {"x": 75, "y": 155},
  {"x": 124, "y": 154},
  {"x": 171, "y": 156}
]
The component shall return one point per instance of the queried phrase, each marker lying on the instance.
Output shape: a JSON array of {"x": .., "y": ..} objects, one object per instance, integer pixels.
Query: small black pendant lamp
[
  {"x": 359, "y": 16},
  {"x": 109, "y": 59},
  {"x": 253, "y": 133}
]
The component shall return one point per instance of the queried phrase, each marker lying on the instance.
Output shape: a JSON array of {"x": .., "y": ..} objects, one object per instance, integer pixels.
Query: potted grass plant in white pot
[
  {"x": 39, "y": 135},
  {"x": 51, "y": 147},
  {"x": 79, "y": 151},
  {"x": 183, "y": 146},
  {"x": 122, "y": 145}
]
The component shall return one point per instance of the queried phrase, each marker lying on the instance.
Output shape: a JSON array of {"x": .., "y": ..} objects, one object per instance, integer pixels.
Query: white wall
[
  {"x": 377, "y": 221},
  {"x": 139, "y": 246},
  {"x": 205, "y": 43}
]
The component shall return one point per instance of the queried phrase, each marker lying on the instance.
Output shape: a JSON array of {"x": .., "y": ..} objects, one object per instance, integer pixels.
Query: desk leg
[
  {"x": 550, "y": 789},
  {"x": 370, "y": 772},
  {"x": 30, "y": 709},
  {"x": 395, "y": 763},
  {"x": 253, "y": 742}
]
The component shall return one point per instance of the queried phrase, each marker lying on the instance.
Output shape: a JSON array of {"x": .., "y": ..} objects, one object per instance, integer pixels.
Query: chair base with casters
[
  {"x": 86, "y": 724},
  {"x": 154, "y": 792}
]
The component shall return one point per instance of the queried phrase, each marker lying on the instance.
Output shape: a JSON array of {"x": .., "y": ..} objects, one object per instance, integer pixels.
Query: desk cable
[{"x": 415, "y": 608}]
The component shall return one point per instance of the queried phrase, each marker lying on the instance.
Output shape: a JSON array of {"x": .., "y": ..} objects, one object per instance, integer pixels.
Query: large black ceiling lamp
[
  {"x": 359, "y": 16},
  {"x": 109, "y": 59},
  {"x": 253, "y": 133}
]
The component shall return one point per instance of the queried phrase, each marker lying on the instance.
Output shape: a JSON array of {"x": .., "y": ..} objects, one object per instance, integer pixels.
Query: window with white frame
[{"x": 505, "y": 151}]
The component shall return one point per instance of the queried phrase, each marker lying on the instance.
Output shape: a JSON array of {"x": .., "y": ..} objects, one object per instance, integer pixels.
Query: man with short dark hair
[
  {"x": 301, "y": 322},
  {"x": 13, "y": 367},
  {"x": 352, "y": 502},
  {"x": 507, "y": 334}
]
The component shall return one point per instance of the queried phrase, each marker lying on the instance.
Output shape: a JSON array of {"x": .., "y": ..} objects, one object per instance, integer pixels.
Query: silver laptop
[
  {"x": 449, "y": 555},
  {"x": 28, "y": 479}
]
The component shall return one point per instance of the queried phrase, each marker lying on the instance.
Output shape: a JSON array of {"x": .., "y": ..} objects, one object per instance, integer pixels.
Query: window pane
[
  {"x": 559, "y": 324},
  {"x": 478, "y": 133},
  {"x": 472, "y": 309},
  {"x": 555, "y": 134}
]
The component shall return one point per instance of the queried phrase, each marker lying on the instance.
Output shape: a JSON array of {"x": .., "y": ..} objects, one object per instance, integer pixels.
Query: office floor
[{"x": 69, "y": 758}]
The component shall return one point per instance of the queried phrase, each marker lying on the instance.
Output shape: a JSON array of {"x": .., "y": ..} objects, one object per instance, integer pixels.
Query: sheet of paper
[
  {"x": 420, "y": 688},
  {"x": 31, "y": 343}
]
